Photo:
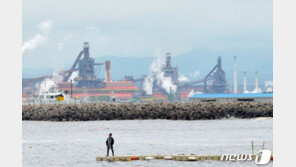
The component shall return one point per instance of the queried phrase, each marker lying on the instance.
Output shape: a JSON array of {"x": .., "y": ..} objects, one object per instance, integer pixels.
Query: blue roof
[{"x": 232, "y": 95}]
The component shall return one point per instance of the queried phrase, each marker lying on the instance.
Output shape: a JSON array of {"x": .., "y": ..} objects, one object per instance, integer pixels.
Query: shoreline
[{"x": 251, "y": 119}]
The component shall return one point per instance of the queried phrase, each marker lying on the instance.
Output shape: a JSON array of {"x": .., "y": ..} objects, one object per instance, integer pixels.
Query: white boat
[{"x": 50, "y": 97}]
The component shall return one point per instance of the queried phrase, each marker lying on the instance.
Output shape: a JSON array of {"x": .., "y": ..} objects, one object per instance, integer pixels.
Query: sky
[{"x": 53, "y": 31}]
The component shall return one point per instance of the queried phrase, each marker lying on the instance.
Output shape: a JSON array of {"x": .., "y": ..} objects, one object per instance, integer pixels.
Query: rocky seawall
[{"x": 130, "y": 111}]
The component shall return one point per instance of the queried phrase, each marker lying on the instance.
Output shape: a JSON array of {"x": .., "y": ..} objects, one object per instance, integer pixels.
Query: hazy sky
[{"x": 53, "y": 31}]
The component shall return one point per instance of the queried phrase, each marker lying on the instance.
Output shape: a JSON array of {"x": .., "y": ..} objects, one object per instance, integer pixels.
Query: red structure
[{"x": 121, "y": 90}]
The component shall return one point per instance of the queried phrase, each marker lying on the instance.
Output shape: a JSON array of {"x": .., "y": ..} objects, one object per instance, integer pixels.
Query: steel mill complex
[{"x": 86, "y": 84}]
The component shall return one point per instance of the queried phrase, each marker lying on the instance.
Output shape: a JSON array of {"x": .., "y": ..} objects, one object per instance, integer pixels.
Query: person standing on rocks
[{"x": 109, "y": 143}]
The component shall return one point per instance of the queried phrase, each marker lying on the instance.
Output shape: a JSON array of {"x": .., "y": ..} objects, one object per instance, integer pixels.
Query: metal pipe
[
  {"x": 108, "y": 71},
  {"x": 206, "y": 78},
  {"x": 73, "y": 66}
]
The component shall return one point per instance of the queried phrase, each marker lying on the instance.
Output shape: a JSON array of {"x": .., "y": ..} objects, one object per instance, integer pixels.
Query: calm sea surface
[{"x": 78, "y": 143}]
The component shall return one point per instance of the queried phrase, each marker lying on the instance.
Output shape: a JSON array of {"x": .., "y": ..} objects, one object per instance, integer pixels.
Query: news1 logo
[{"x": 261, "y": 158}]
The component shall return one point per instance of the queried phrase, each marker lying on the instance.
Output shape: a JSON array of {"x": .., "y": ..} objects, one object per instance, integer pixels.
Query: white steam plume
[
  {"x": 45, "y": 26},
  {"x": 74, "y": 74},
  {"x": 195, "y": 74},
  {"x": 148, "y": 85},
  {"x": 34, "y": 42},
  {"x": 192, "y": 93},
  {"x": 182, "y": 78},
  {"x": 157, "y": 75},
  {"x": 39, "y": 39},
  {"x": 50, "y": 83},
  {"x": 256, "y": 90},
  {"x": 269, "y": 86},
  {"x": 268, "y": 83}
]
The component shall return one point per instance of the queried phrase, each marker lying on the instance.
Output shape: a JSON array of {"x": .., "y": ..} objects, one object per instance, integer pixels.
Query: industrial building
[
  {"x": 231, "y": 97},
  {"x": 87, "y": 70},
  {"x": 88, "y": 85},
  {"x": 170, "y": 71},
  {"x": 119, "y": 90},
  {"x": 214, "y": 85},
  {"x": 216, "y": 75}
]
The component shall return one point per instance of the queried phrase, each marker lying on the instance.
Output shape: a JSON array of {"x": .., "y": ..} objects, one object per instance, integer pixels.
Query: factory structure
[{"x": 86, "y": 85}]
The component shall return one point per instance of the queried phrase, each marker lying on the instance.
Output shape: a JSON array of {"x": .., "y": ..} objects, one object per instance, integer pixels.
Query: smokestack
[
  {"x": 234, "y": 76},
  {"x": 256, "y": 81},
  {"x": 108, "y": 71},
  {"x": 245, "y": 82},
  {"x": 168, "y": 61}
]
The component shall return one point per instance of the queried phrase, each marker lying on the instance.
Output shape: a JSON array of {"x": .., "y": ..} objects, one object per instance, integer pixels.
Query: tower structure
[
  {"x": 86, "y": 68},
  {"x": 234, "y": 76},
  {"x": 245, "y": 82},
  {"x": 170, "y": 71},
  {"x": 219, "y": 84}
]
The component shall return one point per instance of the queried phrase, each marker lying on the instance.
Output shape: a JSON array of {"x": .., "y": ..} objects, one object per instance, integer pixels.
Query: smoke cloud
[
  {"x": 269, "y": 86},
  {"x": 182, "y": 78},
  {"x": 50, "y": 83},
  {"x": 45, "y": 26},
  {"x": 192, "y": 93},
  {"x": 74, "y": 74},
  {"x": 39, "y": 39},
  {"x": 195, "y": 74},
  {"x": 148, "y": 85},
  {"x": 157, "y": 76},
  {"x": 34, "y": 42},
  {"x": 256, "y": 90}
]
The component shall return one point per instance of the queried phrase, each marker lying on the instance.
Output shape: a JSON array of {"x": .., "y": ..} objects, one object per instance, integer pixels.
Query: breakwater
[{"x": 130, "y": 111}]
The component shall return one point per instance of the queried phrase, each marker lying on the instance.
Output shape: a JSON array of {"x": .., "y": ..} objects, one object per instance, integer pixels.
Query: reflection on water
[{"x": 78, "y": 143}]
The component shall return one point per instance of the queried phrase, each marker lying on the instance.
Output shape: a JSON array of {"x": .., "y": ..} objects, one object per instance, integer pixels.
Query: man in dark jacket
[{"x": 109, "y": 143}]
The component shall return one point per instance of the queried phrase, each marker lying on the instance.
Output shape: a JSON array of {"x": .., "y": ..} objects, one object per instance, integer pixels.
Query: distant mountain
[
  {"x": 36, "y": 72},
  {"x": 198, "y": 59}
]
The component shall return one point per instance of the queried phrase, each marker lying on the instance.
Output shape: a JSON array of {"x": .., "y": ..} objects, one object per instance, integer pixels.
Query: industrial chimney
[
  {"x": 108, "y": 71},
  {"x": 256, "y": 81},
  {"x": 234, "y": 76},
  {"x": 245, "y": 82},
  {"x": 168, "y": 61}
]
